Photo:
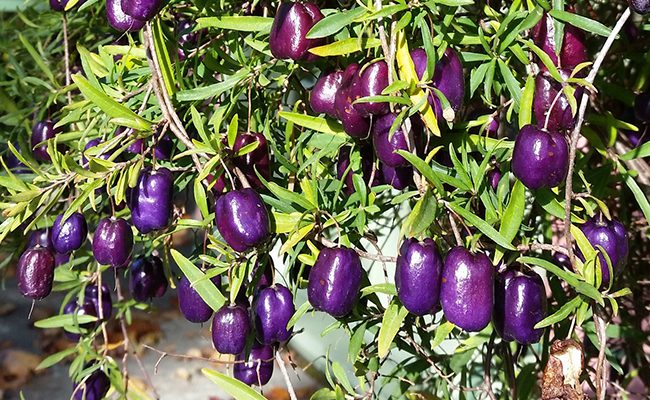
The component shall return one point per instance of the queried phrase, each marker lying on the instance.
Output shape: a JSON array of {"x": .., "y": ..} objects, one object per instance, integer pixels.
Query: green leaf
[
  {"x": 56, "y": 358},
  {"x": 526, "y": 104},
  {"x": 512, "y": 216},
  {"x": 639, "y": 195},
  {"x": 639, "y": 152},
  {"x": 59, "y": 321},
  {"x": 78, "y": 202},
  {"x": 201, "y": 198},
  {"x": 561, "y": 314},
  {"x": 298, "y": 314},
  {"x": 482, "y": 226},
  {"x": 205, "y": 92},
  {"x": 546, "y": 60},
  {"x": 334, "y": 23},
  {"x": 570, "y": 278},
  {"x": 109, "y": 105},
  {"x": 232, "y": 386},
  {"x": 342, "y": 377},
  {"x": 39, "y": 61},
  {"x": 317, "y": 124},
  {"x": 424, "y": 169},
  {"x": 390, "y": 324},
  {"x": 345, "y": 46},
  {"x": 584, "y": 23},
  {"x": 385, "y": 288},
  {"x": 384, "y": 99},
  {"x": 511, "y": 82},
  {"x": 546, "y": 199},
  {"x": 237, "y": 23},
  {"x": 203, "y": 286},
  {"x": 356, "y": 342},
  {"x": 162, "y": 54},
  {"x": 442, "y": 331},
  {"x": 421, "y": 217}
]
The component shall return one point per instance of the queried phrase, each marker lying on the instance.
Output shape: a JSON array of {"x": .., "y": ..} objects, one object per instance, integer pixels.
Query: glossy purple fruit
[
  {"x": 642, "y": 106},
  {"x": 494, "y": 177},
  {"x": 104, "y": 305},
  {"x": 40, "y": 237},
  {"x": 400, "y": 177},
  {"x": 417, "y": 276},
  {"x": 73, "y": 307},
  {"x": 562, "y": 260},
  {"x": 262, "y": 274},
  {"x": 242, "y": 219},
  {"x": 561, "y": 116},
  {"x": 372, "y": 80},
  {"x": 112, "y": 242},
  {"x": 258, "y": 159},
  {"x": 273, "y": 309},
  {"x": 119, "y": 20},
  {"x": 574, "y": 49},
  {"x": 467, "y": 289},
  {"x": 612, "y": 237},
  {"x": 143, "y": 10},
  {"x": 60, "y": 5},
  {"x": 95, "y": 387},
  {"x": 335, "y": 280},
  {"x": 230, "y": 327},
  {"x": 520, "y": 303},
  {"x": 69, "y": 235},
  {"x": 492, "y": 127},
  {"x": 449, "y": 78},
  {"x": 258, "y": 368},
  {"x": 367, "y": 165},
  {"x": 35, "y": 272},
  {"x": 192, "y": 306},
  {"x": 151, "y": 200},
  {"x": 540, "y": 158},
  {"x": 323, "y": 95},
  {"x": 290, "y": 26},
  {"x": 148, "y": 278},
  {"x": 354, "y": 123},
  {"x": 386, "y": 147},
  {"x": 42, "y": 130},
  {"x": 639, "y": 6}
]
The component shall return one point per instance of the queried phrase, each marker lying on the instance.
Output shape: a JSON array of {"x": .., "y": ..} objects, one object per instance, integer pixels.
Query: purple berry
[
  {"x": 258, "y": 366},
  {"x": 400, "y": 177},
  {"x": 35, "y": 272},
  {"x": 372, "y": 80},
  {"x": 40, "y": 237},
  {"x": 467, "y": 290},
  {"x": 386, "y": 147},
  {"x": 95, "y": 387},
  {"x": 540, "y": 158},
  {"x": 546, "y": 89},
  {"x": 562, "y": 260},
  {"x": 290, "y": 26},
  {"x": 242, "y": 219},
  {"x": 335, "y": 280},
  {"x": 119, "y": 20},
  {"x": 612, "y": 237},
  {"x": 69, "y": 235},
  {"x": 60, "y": 5},
  {"x": 494, "y": 177},
  {"x": 191, "y": 304},
  {"x": 449, "y": 78},
  {"x": 520, "y": 303},
  {"x": 73, "y": 307},
  {"x": 258, "y": 159},
  {"x": 42, "y": 130},
  {"x": 148, "y": 278},
  {"x": 639, "y": 6},
  {"x": 103, "y": 308},
  {"x": 367, "y": 166},
  {"x": 113, "y": 242},
  {"x": 417, "y": 276},
  {"x": 273, "y": 309},
  {"x": 151, "y": 200},
  {"x": 262, "y": 274},
  {"x": 142, "y": 10},
  {"x": 574, "y": 49},
  {"x": 323, "y": 95},
  {"x": 354, "y": 123},
  {"x": 230, "y": 328}
]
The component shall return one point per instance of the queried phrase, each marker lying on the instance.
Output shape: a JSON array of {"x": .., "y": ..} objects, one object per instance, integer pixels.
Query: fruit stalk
[
  {"x": 287, "y": 381},
  {"x": 575, "y": 135}
]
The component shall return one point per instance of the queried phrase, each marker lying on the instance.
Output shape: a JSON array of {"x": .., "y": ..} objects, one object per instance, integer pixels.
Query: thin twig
[
  {"x": 66, "y": 56},
  {"x": 575, "y": 135},
  {"x": 287, "y": 381},
  {"x": 601, "y": 365},
  {"x": 543, "y": 246},
  {"x": 361, "y": 253}
]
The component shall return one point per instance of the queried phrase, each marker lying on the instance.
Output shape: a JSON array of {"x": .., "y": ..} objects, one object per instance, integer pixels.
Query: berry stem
[
  {"x": 283, "y": 369},
  {"x": 575, "y": 135}
]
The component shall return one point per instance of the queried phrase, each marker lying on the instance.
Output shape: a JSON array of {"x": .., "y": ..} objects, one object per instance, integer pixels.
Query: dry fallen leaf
[
  {"x": 561, "y": 380},
  {"x": 16, "y": 368}
]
